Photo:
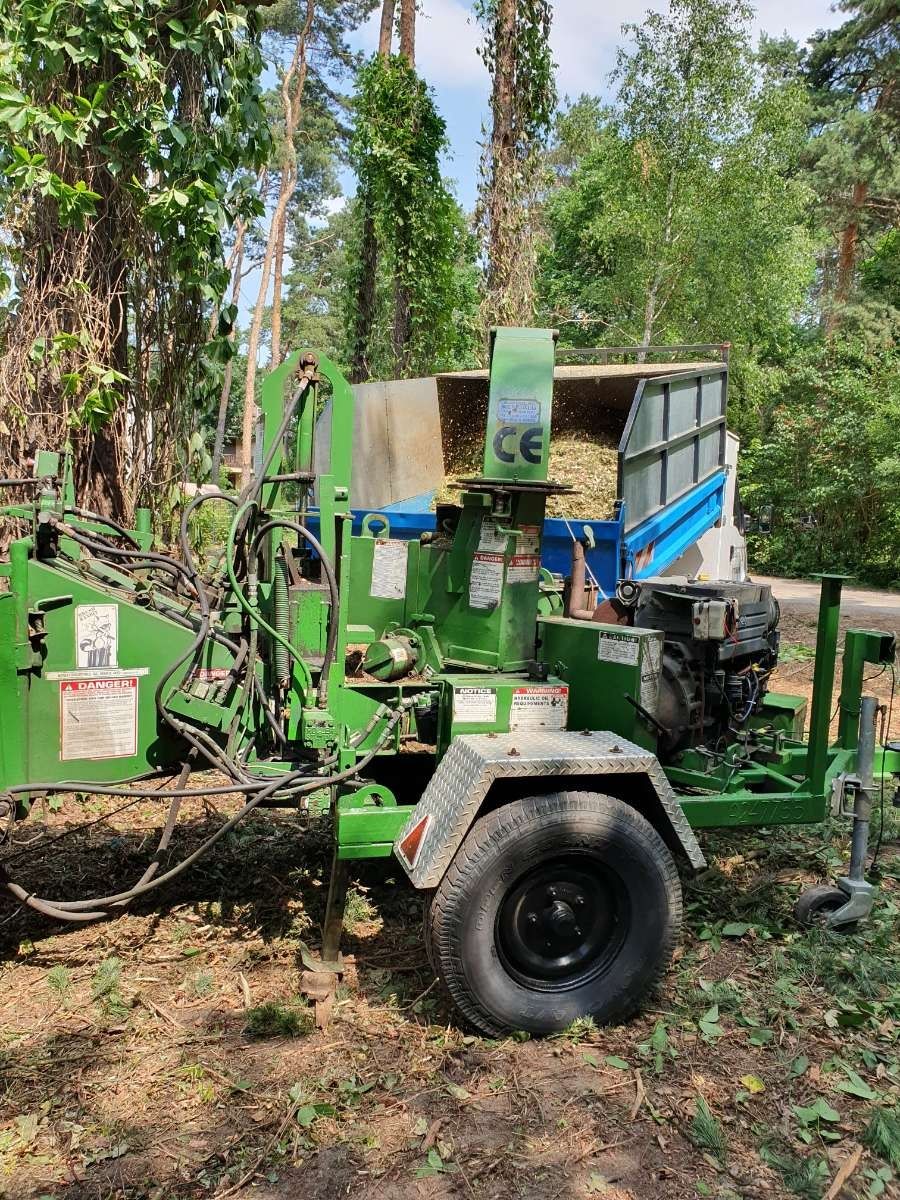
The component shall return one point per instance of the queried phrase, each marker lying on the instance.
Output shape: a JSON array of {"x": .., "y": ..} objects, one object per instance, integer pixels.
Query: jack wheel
[
  {"x": 555, "y": 907},
  {"x": 814, "y": 906}
]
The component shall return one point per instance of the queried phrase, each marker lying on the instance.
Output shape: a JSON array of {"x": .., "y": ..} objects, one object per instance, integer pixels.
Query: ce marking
[{"x": 530, "y": 447}]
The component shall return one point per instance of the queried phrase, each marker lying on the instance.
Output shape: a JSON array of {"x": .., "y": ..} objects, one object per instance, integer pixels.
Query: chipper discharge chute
[{"x": 567, "y": 760}]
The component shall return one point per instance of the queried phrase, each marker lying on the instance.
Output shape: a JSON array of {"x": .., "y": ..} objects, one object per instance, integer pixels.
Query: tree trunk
[
  {"x": 386, "y": 31},
  {"x": 368, "y": 250},
  {"x": 277, "y": 279},
  {"x": 650, "y": 311},
  {"x": 847, "y": 256},
  {"x": 291, "y": 96},
  {"x": 408, "y": 31},
  {"x": 502, "y": 202},
  {"x": 225, "y": 396}
]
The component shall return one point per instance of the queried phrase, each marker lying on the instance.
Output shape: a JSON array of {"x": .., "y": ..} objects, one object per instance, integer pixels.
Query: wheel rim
[{"x": 562, "y": 923}]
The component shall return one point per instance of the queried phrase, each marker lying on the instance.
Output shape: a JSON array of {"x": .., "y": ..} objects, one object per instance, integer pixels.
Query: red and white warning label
[
  {"x": 525, "y": 564},
  {"x": 98, "y": 717},
  {"x": 539, "y": 707},
  {"x": 486, "y": 580}
]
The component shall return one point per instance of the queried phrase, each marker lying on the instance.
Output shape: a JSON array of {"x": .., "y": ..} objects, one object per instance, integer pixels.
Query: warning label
[
  {"x": 98, "y": 717},
  {"x": 616, "y": 648},
  {"x": 474, "y": 705},
  {"x": 486, "y": 580},
  {"x": 523, "y": 568},
  {"x": 539, "y": 708},
  {"x": 651, "y": 670},
  {"x": 97, "y": 635},
  {"x": 389, "y": 569},
  {"x": 492, "y": 536},
  {"x": 529, "y": 541}
]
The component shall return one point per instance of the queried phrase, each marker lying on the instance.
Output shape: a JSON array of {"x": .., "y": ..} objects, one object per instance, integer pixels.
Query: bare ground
[{"x": 168, "y": 1055}]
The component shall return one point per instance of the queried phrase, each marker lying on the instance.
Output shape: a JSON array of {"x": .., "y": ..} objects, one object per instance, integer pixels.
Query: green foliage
[
  {"x": 882, "y": 1135},
  {"x": 825, "y": 456},
  {"x": 706, "y": 1132},
  {"x": 426, "y": 252},
  {"x": 682, "y": 217},
  {"x": 271, "y": 1020},
  {"x": 125, "y": 135}
]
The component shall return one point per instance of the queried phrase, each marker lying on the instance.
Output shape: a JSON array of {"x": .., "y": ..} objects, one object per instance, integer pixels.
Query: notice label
[
  {"x": 98, "y": 718},
  {"x": 486, "y": 580},
  {"x": 618, "y": 648},
  {"x": 529, "y": 541},
  {"x": 389, "y": 569},
  {"x": 97, "y": 635},
  {"x": 473, "y": 706},
  {"x": 539, "y": 708},
  {"x": 492, "y": 537},
  {"x": 519, "y": 412}
]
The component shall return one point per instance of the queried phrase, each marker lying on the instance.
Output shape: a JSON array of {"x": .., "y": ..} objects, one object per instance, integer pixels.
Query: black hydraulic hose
[
  {"x": 29, "y": 481},
  {"x": 183, "y": 524},
  {"x": 79, "y": 910},
  {"x": 331, "y": 581},
  {"x": 147, "y": 557},
  {"x": 120, "y": 530},
  {"x": 254, "y": 487}
]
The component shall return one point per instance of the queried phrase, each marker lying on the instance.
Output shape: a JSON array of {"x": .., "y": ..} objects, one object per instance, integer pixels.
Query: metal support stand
[
  {"x": 320, "y": 978},
  {"x": 855, "y": 886}
]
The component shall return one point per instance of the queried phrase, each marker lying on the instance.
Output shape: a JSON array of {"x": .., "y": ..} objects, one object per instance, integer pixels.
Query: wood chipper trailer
[{"x": 570, "y": 759}]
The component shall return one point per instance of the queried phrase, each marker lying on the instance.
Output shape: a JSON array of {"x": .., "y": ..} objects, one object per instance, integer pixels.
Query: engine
[{"x": 721, "y": 646}]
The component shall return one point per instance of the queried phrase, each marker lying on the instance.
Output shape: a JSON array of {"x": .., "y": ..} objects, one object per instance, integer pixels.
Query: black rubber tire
[
  {"x": 813, "y": 906},
  {"x": 510, "y": 845}
]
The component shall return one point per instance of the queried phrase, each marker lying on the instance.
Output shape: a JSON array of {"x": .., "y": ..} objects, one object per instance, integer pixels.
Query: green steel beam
[{"x": 823, "y": 680}]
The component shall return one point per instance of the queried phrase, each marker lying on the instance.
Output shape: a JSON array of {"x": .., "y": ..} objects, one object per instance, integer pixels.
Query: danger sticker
[
  {"x": 618, "y": 649},
  {"x": 486, "y": 580},
  {"x": 523, "y": 568},
  {"x": 474, "y": 706},
  {"x": 389, "y": 569},
  {"x": 539, "y": 708},
  {"x": 97, "y": 635},
  {"x": 98, "y": 717}
]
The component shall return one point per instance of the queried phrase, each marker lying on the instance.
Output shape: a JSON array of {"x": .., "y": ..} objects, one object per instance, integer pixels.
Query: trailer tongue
[{"x": 567, "y": 760}]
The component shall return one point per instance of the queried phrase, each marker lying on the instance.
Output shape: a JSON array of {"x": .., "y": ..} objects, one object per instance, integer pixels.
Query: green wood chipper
[{"x": 570, "y": 749}]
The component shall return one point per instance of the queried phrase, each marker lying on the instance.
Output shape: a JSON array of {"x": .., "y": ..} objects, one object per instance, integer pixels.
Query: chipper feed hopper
[{"x": 567, "y": 759}]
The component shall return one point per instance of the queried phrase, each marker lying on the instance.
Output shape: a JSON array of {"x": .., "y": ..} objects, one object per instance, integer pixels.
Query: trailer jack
[{"x": 850, "y": 901}]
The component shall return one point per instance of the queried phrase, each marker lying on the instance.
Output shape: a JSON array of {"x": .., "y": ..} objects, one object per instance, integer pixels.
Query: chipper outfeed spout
[{"x": 567, "y": 761}]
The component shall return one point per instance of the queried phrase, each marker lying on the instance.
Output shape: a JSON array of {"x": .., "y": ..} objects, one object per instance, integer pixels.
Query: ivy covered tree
[
  {"x": 516, "y": 52},
  {"x": 130, "y": 133},
  {"x": 410, "y": 236}
]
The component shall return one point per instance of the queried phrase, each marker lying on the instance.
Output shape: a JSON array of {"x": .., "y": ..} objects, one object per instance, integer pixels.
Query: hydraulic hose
[
  {"x": 120, "y": 530},
  {"x": 249, "y": 608},
  {"x": 331, "y": 581},
  {"x": 81, "y": 910}
]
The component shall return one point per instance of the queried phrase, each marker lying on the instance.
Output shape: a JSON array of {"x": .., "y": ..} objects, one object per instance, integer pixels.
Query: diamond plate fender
[{"x": 450, "y": 803}]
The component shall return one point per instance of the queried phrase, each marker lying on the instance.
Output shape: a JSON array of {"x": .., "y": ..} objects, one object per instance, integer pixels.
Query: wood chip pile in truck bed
[{"x": 586, "y": 463}]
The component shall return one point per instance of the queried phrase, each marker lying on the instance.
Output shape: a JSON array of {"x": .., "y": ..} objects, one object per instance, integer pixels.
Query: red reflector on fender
[{"x": 411, "y": 845}]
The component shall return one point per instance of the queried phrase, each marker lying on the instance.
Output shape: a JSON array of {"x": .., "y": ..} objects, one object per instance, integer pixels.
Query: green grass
[
  {"x": 882, "y": 1136},
  {"x": 706, "y": 1132},
  {"x": 273, "y": 1020}
]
